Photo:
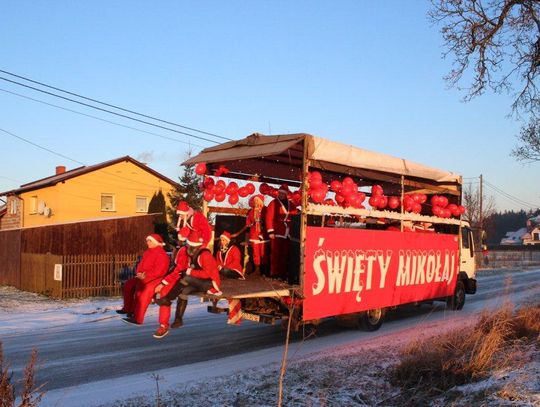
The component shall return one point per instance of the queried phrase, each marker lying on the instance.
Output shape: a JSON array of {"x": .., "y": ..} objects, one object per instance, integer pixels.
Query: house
[
  {"x": 532, "y": 236},
  {"x": 117, "y": 188},
  {"x": 514, "y": 238}
]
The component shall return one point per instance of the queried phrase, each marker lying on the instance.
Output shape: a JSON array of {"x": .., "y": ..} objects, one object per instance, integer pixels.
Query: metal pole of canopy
[{"x": 303, "y": 212}]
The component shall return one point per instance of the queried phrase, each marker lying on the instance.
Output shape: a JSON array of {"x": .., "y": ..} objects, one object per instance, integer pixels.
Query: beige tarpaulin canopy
[{"x": 321, "y": 150}]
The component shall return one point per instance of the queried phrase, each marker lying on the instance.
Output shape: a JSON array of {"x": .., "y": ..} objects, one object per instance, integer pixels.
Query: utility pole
[{"x": 481, "y": 215}]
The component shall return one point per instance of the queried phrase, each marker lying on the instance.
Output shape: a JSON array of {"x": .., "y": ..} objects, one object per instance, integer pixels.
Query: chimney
[{"x": 60, "y": 169}]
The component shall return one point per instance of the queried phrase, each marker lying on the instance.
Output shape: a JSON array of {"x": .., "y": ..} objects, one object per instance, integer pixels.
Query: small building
[
  {"x": 514, "y": 238},
  {"x": 532, "y": 237},
  {"x": 116, "y": 188}
]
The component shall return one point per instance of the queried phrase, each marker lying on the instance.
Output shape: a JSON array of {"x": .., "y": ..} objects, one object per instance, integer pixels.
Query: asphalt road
[{"x": 98, "y": 351}]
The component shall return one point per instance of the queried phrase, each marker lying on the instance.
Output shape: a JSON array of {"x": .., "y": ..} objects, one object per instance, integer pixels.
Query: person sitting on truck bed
[
  {"x": 166, "y": 285},
  {"x": 201, "y": 276},
  {"x": 153, "y": 266},
  {"x": 278, "y": 219},
  {"x": 229, "y": 258},
  {"x": 194, "y": 220},
  {"x": 258, "y": 238}
]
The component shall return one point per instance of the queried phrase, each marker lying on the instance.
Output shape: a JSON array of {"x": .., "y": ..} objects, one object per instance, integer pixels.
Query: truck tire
[
  {"x": 457, "y": 301},
  {"x": 372, "y": 320}
]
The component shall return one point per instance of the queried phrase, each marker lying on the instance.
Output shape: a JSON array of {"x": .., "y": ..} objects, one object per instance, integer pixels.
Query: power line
[
  {"x": 114, "y": 106},
  {"x": 43, "y": 148},
  {"x": 100, "y": 119},
  {"x": 512, "y": 198},
  {"x": 108, "y": 111}
]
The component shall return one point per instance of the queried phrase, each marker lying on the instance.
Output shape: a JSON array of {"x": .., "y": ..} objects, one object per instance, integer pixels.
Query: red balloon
[
  {"x": 250, "y": 188},
  {"x": 346, "y": 190},
  {"x": 376, "y": 190},
  {"x": 348, "y": 181},
  {"x": 233, "y": 199},
  {"x": 436, "y": 210},
  {"x": 232, "y": 188},
  {"x": 408, "y": 201},
  {"x": 273, "y": 192},
  {"x": 462, "y": 209},
  {"x": 454, "y": 210},
  {"x": 339, "y": 199},
  {"x": 443, "y": 201},
  {"x": 317, "y": 195},
  {"x": 208, "y": 183},
  {"x": 416, "y": 207},
  {"x": 374, "y": 201},
  {"x": 435, "y": 200},
  {"x": 383, "y": 203},
  {"x": 423, "y": 198},
  {"x": 220, "y": 197},
  {"x": 220, "y": 186},
  {"x": 315, "y": 175},
  {"x": 315, "y": 183},
  {"x": 200, "y": 169},
  {"x": 208, "y": 195},
  {"x": 243, "y": 192},
  {"x": 264, "y": 188},
  {"x": 393, "y": 202},
  {"x": 335, "y": 185},
  {"x": 445, "y": 213},
  {"x": 416, "y": 198}
]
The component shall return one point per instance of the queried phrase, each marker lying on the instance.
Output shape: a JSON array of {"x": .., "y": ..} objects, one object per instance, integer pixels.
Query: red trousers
[
  {"x": 278, "y": 257},
  {"x": 143, "y": 298},
  {"x": 165, "y": 310},
  {"x": 259, "y": 253}
]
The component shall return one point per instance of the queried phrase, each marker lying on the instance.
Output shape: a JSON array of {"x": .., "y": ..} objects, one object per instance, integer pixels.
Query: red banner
[{"x": 352, "y": 270}]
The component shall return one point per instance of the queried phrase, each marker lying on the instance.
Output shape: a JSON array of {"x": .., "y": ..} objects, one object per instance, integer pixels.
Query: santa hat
[
  {"x": 182, "y": 208},
  {"x": 194, "y": 239},
  {"x": 284, "y": 188},
  {"x": 157, "y": 239},
  {"x": 252, "y": 200},
  {"x": 183, "y": 233},
  {"x": 226, "y": 235}
]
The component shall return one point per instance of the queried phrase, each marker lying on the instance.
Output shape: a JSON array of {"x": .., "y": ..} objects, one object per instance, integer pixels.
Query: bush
[
  {"x": 431, "y": 366},
  {"x": 30, "y": 396}
]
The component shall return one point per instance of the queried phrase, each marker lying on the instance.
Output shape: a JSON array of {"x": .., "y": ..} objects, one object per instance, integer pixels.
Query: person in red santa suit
[
  {"x": 202, "y": 275},
  {"x": 229, "y": 258},
  {"x": 153, "y": 266},
  {"x": 278, "y": 218},
  {"x": 194, "y": 220},
  {"x": 258, "y": 238},
  {"x": 167, "y": 283}
]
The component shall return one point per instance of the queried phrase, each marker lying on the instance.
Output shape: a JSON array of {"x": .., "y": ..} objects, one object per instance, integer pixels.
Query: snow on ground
[{"x": 328, "y": 371}]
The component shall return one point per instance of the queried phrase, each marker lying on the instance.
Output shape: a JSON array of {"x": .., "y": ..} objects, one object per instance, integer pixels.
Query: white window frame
[
  {"x": 33, "y": 205},
  {"x": 112, "y": 196},
  {"x": 13, "y": 206},
  {"x": 139, "y": 210}
]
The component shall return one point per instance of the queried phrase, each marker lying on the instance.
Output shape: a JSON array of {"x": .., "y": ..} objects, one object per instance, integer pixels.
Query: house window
[
  {"x": 33, "y": 205},
  {"x": 141, "y": 204},
  {"x": 13, "y": 206},
  {"x": 107, "y": 203},
  {"x": 536, "y": 236}
]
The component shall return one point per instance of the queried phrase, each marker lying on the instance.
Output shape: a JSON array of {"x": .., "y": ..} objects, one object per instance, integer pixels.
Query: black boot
[{"x": 180, "y": 309}]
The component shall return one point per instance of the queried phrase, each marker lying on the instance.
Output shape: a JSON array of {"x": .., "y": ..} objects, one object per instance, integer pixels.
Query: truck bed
[{"x": 255, "y": 286}]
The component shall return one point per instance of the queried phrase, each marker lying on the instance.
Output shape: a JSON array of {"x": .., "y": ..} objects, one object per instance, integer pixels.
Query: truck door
[{"x": 467, "y": 252}]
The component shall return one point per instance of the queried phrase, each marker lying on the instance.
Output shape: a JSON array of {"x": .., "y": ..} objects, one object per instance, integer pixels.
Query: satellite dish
[
  {"x": 41, "y": 207},
  {"x": 47, "y": 212}
]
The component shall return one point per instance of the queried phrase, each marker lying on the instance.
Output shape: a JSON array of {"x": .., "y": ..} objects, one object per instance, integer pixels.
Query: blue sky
[{"x": 359, "y": 72}]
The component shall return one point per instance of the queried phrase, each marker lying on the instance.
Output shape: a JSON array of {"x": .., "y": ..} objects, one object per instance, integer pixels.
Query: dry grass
[
  {"x": 30, "y": 395},
  {"x": 496, "y": 341}
]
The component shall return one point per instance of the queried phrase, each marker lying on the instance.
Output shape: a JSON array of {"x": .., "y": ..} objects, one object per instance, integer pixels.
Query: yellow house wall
[{"x": 79, "y": 198}]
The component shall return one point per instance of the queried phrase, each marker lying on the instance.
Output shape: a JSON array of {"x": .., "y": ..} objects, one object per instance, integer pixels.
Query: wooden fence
[{"x": 95, "y": 275}]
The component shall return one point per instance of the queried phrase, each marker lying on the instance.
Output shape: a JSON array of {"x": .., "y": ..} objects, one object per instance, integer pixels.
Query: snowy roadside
[{"x": 325, "y": 371}]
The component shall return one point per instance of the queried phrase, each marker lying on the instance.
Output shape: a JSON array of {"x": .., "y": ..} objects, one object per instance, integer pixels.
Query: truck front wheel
[
  {"x": 457, "y": 301},
  {"x": 372, "y": 320}
]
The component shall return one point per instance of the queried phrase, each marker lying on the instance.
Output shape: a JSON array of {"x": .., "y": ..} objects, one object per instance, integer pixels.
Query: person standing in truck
[
  {"x": 194, "y": 220},
  {"x": 277, "y": 220},
  {"x": 258, "y": 237}
]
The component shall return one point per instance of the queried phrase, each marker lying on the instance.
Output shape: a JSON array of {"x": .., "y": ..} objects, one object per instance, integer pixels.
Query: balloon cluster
[
  {"x": 317, "y": 188},
  {"x": 413, "y": 202},
  {"x": 219, "y": 190},
  {"x": 442, "y": 209},
  {"x": 347, "y": 193}
]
